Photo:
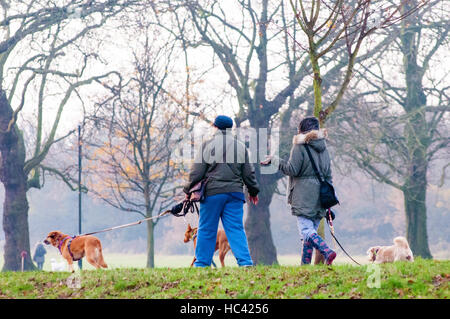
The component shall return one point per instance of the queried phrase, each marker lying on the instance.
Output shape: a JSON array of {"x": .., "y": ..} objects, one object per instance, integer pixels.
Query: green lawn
[
  {"x": 421, "y": 279},
  {"x": 119, "y": 260}
]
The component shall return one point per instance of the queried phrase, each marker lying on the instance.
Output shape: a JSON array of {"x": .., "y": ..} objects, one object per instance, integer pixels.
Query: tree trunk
[
  {"x": 259, "y": 236},
  {"x": 415, "y": 186},
  {"x": 150, "y": 244},
  {"x": 15, "y": 207},
  {"x": 417, "y": 139},
  {"x": 317, "y": 81},
  {"x": 416, "y": 220},
  {"x": 257, "y": 225}
]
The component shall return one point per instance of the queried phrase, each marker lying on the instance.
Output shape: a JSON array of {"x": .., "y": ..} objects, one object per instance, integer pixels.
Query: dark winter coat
[
  {"x": 226, "y": 174},
  {"x": 303, "y": 185},
  {"x": 39, "y": 254}
]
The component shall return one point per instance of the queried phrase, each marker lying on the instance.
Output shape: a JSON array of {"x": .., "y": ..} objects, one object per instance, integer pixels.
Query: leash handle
[{"x": 330, "y": 224}]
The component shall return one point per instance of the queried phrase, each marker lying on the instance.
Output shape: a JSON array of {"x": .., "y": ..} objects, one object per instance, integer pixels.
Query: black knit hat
[{"x": 308, "y": 124}]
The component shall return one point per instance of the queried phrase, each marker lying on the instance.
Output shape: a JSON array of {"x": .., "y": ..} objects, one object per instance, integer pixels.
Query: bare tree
[
  {"x": 397, "y": 121},
  {"x": 237, "y": 32},
  {"x": 134, "y": 136},
  {"x": 259, "y": 45},
  {"x": 326, "y": 23},
  {"x": 331, "y": 24},
  {"x": 41, "y": 40}
]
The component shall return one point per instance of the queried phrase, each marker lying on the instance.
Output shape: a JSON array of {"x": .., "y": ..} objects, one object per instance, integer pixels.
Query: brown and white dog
[
  {"x": 221, "y": 242},
  {"x": 386, "y": 254},
  {"x": 75, "y": 248}
]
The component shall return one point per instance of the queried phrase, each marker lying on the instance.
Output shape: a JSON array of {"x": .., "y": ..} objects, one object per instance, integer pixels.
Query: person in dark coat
[
  {"x": 39, "y": 255},
  {"x": 303, "y": 189},
  {"x": 224, "y": 193}
]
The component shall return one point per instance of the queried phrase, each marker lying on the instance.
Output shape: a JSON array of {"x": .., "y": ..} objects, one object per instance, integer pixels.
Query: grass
[
  {"x": 121, "y": 260},
  {"x": 421, "y": 279}
]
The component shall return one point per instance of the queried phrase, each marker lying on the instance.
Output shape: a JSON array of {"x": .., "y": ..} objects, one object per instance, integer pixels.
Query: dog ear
[
  {"x": 57, "y": 236},
  {"x": 372, "y": 253}
]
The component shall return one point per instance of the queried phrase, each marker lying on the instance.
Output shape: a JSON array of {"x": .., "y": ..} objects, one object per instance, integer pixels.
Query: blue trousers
[
  {"x": 307, "y": 227},
  {"x": 230, "y": 209}
]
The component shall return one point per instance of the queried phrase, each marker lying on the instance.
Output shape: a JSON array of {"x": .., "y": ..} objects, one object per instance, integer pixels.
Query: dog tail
[
  {"x": 99, "y": 257},
  {"x": 401, "y": 242}
]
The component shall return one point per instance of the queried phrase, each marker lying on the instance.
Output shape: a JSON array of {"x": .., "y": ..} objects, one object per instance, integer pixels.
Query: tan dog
[
  {"x": 73, "y": 249},
  {"x": 221, "y": 242},
  {"x": 386, "y": 254}
]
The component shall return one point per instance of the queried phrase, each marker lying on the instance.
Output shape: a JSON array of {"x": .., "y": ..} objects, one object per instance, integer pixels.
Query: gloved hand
[
  {"x": 333, "y": 215},
  {"x": 254, "y": 200}
]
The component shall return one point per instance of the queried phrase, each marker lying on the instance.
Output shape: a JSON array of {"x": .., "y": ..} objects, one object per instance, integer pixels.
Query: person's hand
[
  {"x": 331, "y": 214},
  {"x": 254, "y": 200},
  {"x": 267, "y": 161}
]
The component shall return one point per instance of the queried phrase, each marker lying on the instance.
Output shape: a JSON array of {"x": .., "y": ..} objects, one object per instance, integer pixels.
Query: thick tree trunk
[
  {"x": 415, "y": 187},
  {"x": 416, "y": 220},
  {"x": 15, "y": 207},
  {"x": 257, "y": 225},
  {"x": 259, "y": 236},
  {"x": 150, "y": 244},
  {"x": 417, "y": 138}
]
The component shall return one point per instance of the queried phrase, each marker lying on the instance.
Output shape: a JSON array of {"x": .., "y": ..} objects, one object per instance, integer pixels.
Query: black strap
[
  {"x": 316, "y": 171},
  {"x": 70, "y": 251},
  {"x": 337, "y": 241}
]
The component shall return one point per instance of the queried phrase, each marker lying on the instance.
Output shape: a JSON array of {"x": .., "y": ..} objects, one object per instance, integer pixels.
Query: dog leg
[
  {"x": 93, "y": 262},
  {"x": 222, "y": 257},
  {"x": 95, "y": 258},
  {"x": 70, "y": 262},
  {"x": 92, "y": 257},
  {"x": 223, "y": 252},
  {"x": 194, "y": 241}
]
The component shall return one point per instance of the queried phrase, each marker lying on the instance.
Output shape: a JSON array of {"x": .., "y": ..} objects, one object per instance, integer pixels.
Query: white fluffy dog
[
  {"x": 61, "y": 266},
  {"x": 386, "y": 254}
]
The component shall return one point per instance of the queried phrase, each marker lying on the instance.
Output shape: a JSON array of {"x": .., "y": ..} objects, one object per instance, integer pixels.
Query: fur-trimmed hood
[{"x": 314, "y": 138}]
